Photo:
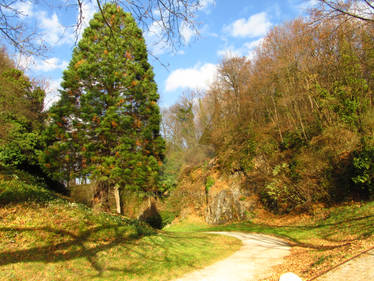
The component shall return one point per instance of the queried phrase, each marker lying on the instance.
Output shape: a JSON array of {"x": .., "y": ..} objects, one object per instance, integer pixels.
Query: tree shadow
[{"x": 82, "y": 245}]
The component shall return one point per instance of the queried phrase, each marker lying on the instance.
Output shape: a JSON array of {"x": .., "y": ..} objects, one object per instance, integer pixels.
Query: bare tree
[
  {"x": 169, "y": 16},
  {"x": 359, "y": 9},
  {"x": 14, "y": 32}
]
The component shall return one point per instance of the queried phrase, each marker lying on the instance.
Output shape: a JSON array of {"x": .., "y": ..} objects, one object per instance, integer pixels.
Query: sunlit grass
[{"x": 52, "y": 239}]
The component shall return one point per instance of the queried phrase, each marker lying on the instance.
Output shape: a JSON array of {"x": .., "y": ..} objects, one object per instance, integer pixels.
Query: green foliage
[
  {"x": 21, "y": 147},
  {"x": 170, "y": 171},
  {"x": 167, "y": 217},
  {"x": 106, "y": 125},
  {"x": 363, "y": 168},
  {"x": 17, "y": 191},
  {"x": 292, "y": 140},
  {"x": 21, "y": 117},
  {"x": 209, "y": 183}
]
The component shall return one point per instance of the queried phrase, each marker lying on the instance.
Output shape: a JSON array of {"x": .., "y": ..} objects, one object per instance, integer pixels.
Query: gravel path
[
  {"x": 252, "y": 262},
  {"x": 358, "y": 269}
]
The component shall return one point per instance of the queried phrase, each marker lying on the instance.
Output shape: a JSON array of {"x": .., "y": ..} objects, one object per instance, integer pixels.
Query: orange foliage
[{"x": 79, "y": 63}]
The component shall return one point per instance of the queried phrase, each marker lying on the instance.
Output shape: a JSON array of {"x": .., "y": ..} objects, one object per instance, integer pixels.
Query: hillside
[{"x": 45, "y": 237}]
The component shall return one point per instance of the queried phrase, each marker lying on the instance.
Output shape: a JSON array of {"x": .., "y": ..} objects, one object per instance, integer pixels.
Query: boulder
[{"x": 224, "y": 207}]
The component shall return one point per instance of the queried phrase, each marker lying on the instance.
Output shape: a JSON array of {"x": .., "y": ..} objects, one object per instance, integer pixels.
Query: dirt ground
[
  {"x": 253, "y": 261},
  {"x": 358, "y": 269}
]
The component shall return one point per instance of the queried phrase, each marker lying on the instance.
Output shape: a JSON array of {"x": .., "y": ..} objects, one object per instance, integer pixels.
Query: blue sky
[{"x": 226, "y": 28}]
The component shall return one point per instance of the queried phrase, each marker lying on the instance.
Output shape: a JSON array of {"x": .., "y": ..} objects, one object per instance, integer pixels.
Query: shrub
[
  {"x": 363, "y": 169},
  {"x": 16, "y": 191}
]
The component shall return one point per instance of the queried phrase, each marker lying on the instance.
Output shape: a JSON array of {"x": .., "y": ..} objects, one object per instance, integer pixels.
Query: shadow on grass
[
  {"x": 153, "y": 251},
  {"x": 72, "y": 249}
]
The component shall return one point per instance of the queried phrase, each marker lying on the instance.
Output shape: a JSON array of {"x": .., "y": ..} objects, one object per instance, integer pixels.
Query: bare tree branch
[
  {"x": 169, "y": 15},
  {"x": 358, "y": 9}
]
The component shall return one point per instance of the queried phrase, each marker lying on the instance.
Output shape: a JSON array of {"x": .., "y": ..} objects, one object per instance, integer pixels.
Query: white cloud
[
  {"x": 255, "y": 26},
  {"x": 305, "y": 5},
  {"x": 204, "y": 5},
  {"x": 248, "y": 50},
  {"x": 198, "y": 77},
  {"x": 53, "y": 31},
  {"x": 230, "y": 52},
  {"x": 52, "y": 94},
  {"x": 43, "y": 65},
  {"x": 49, "y": 64},
  {"x": 24, "y": 8},
  {"x": 187, "y": 32},
  {"x": 155, "y": 40}
]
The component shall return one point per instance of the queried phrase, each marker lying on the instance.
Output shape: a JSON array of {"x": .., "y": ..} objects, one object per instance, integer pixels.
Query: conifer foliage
[{"x": 106, "y": 125}]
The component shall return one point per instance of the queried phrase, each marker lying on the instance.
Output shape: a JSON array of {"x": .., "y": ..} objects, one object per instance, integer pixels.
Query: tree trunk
[
  {"x": 101, "y": 197},
  {"x": 118, "y": 199}
]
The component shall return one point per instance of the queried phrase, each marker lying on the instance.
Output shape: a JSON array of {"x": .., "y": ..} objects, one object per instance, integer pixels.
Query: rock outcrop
[{"x": 228, "y": 205}]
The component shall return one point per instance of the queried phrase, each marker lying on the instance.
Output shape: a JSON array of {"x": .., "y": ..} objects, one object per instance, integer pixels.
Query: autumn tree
[{"x": 106, "y": 125}]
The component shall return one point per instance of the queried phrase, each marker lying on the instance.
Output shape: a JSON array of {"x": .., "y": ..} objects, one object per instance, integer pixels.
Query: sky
[{"x": 226, "y": 28}]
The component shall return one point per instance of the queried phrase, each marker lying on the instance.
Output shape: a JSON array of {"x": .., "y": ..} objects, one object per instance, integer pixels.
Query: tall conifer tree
[{"x": 106, "y": 125}]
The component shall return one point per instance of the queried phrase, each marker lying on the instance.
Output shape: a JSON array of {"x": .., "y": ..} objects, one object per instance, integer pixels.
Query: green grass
[{"x": 43, "y": 237}]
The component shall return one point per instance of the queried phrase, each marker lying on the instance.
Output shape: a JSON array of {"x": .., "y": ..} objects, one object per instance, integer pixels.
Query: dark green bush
[
  {"x": 16, "y": 191},
  {"x": 167, "y": 217},
  {"x": 363, "y": 169}
]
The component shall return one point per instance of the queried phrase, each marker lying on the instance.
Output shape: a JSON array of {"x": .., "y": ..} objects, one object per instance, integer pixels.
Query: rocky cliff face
[
  {"x": 227, "y": 201},
  {"x": 223, "y": 208},
  {"x": 228, "y": 206}
]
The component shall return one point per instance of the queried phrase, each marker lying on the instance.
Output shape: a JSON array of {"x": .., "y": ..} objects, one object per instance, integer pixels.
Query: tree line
[{"x": 297, "y": 120}]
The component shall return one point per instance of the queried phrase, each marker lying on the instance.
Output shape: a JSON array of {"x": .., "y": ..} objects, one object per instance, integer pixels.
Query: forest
[{"x": 296, "y": 120}]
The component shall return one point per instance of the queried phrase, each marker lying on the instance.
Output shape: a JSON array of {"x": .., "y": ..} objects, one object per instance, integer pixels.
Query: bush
[
  {"x": 167, "y": 217},
  {"x": 363, "y": 170},
  {"x": 16, "y": 191}
]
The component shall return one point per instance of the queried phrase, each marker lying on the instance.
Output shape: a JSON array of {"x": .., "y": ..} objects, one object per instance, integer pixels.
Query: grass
[
  {"x": 343, "y": 224},
  {"x": 43, "y": 237},
  {"x": 320, "y": 241}
]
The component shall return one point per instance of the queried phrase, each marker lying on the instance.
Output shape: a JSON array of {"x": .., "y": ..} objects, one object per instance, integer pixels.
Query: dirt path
[
  {"x": 252, "y": 262},
  {"x": 358, "y": 269}
]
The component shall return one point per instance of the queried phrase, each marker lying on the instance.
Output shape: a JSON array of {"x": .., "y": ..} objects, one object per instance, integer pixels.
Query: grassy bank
[
  {"x": 321, "y": 241},
  {"x": 43, "y": 237}
]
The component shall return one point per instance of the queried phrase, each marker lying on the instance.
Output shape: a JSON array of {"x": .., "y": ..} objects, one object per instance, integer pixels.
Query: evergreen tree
[{"x": 106, "y": 125}]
